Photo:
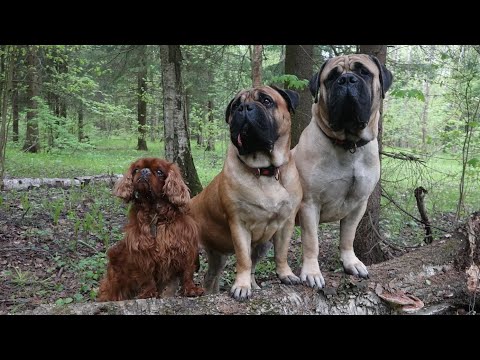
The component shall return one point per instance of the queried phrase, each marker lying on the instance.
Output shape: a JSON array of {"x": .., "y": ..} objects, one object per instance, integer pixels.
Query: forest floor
[{"x": 53, "y": 243}]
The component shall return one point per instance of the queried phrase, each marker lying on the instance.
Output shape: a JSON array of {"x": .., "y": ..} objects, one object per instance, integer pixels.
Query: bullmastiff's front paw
[
  {"x": 353, "y": 266},
  {"x": 289, "y": 279},
  {"x": 313, "y": 280},
  {"x": 286, "y": 275},
  {"x": 241, "y": 293},
  {"x": 311, "y": 275}
]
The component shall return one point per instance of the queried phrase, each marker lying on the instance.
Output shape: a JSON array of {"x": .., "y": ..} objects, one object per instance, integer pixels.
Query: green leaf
[
  {"x": 474, "y": 162},
  {"x": 417, "y": 94},
  {"x": 60, "y": 302},
  {"x": 68, "y": 300},
  {"x": 291, "y": 81},
  {"x": 408, "y": 93},
  {"x": 398, "y": 93}
]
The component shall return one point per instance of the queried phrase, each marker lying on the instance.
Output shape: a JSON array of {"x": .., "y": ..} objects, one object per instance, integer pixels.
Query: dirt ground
[{"x": 53, "y": 243}]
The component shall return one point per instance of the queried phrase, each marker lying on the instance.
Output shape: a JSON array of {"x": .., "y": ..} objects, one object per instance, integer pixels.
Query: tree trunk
[
  {"x": 298, "y": 61},
  {"x": 52, "y": 100},
  {"x": 426, "y": 92},
  {"x": 15, "y": 114},
  {"x": 60, "y": 101},
  {"x": 210, "y": 135},
  {"x": 3, "y": 116},
  {"x": 6, "y": 69},
  {"x": 142, "y": 103},
  {"x": 62, "y": 67},
  {"x": 62, "y": 111},
  {"x": 81, "y": 134},
  {"x": 177, "y": 138},
  {"x": 2, "y": 70},
  {"x": 256, "y": 57},
  {"x": 32, "y": 140},
  {"x": 152, "y": 110},
  {"x": 366, "y": 243},
  {"x": 423, "y": 281},
  {"x": 200, "y": 136}
]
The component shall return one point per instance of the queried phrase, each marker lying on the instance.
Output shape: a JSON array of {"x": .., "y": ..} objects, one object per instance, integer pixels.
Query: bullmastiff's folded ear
[
  {"x": 291, "y": 97},
  {"x": 386, "y": 76},
  {"x": 314, "y": 83},
  {"x": 227, "y": 112}
]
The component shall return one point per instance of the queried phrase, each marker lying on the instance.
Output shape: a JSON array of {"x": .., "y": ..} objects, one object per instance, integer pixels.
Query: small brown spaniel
[{"x": 161, "y": 238}]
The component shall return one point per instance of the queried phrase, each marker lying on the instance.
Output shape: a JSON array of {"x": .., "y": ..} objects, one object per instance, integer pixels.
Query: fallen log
[
  {"x": 29, "y": 183},
  {"x": 428, "y": 280}
]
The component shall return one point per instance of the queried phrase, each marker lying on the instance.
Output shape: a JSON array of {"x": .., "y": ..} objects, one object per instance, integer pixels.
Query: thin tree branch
[
  {"x": 387, "y": 196},
  {"x": 402, "y": 156}
]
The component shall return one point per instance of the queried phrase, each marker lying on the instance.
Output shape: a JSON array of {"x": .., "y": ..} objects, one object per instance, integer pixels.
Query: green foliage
[
  {"x": 408, "y": 93},
  {"x": 57, "y": 206},
  {"x": 474, "y": 162},
  {"x": 430, "y": 112},
  {"x": 291, "y": 81},
  {"x": 17, "y": 276},
  {"x": 91, "y": 270},
  {"x": 63, "y": 301},
  {"x": 56, "y": 132},
  {"x": 24, "y": 201},
  {"x": 266, "y": 267}
]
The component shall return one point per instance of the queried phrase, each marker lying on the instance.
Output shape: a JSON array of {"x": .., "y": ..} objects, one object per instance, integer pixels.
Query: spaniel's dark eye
[
  {"x": 267, "y": 102},
  {"x": 159, "y": 172},
  {"x": 136, "y": 170},
  {"x": 364, "y": 71}
]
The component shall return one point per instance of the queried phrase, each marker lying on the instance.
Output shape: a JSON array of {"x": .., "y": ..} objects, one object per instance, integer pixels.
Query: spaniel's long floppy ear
[
  {"x": 175, "y": 188},
  {"x": 124, "y": 187}
]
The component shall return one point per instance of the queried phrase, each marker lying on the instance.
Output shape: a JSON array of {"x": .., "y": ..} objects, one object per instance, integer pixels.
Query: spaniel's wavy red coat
[{"x": 161, "y": 238}]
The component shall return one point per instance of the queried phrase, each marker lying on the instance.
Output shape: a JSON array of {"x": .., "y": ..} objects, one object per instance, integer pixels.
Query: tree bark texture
[
  {"x": 210, "y": 120},
  {"x": 299, "y": 62},
  {"x": 142, "y": 103},
  {"x": 426, "y": 92},
  {"x": 81, "y": 134},
  {"x": 15, "y": 113},
  {"x": 257, "y": 65},
  {"x": 32, "y": 140},
  {"x": 177, "y": 137},
  {"x": 366, "y": 243},
  {"x": 7, "y": 65}
]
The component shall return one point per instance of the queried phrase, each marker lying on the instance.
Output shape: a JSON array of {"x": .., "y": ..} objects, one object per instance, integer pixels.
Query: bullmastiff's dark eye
[
  {"x": 364, "y": 71},
  {"x": 334, "y": 74},
  {"x": 267, "y": 102}
]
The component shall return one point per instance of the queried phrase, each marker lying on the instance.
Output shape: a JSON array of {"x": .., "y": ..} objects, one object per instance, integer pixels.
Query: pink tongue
[{"x": 239, "y": 140}]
